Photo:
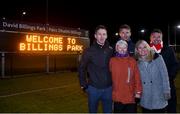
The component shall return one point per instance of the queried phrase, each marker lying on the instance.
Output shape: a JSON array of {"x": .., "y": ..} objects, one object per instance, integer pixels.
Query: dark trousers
[
  {"x": 95, "y": 95},
  {"x": 144, "y": 110},
  {"x": 172, "y": 103},
  {"x": 124, "y": 108}
]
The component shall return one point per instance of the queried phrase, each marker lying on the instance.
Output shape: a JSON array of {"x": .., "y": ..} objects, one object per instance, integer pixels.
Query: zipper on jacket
[{"x": 129, "y": 74}]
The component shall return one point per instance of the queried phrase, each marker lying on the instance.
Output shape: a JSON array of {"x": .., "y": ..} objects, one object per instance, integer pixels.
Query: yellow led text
[{"x": 49, "y": 43}]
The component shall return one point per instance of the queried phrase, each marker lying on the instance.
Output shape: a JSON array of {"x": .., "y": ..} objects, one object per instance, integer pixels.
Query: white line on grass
[{"x": 32, "y": 91}]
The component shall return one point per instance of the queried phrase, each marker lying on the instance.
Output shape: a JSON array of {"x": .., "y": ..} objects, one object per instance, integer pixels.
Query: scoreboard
[
  {"x": 35, "y": 38},
  {"x": 49, "y": 43}
]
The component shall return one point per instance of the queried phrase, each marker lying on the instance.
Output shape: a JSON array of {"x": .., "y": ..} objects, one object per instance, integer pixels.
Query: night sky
[{"x": 87, "y": 14}]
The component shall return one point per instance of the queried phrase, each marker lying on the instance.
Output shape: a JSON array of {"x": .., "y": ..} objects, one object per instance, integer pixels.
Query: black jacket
[
  {"x": 95, "y": 63},
  {"x": 171, "y": 62}
]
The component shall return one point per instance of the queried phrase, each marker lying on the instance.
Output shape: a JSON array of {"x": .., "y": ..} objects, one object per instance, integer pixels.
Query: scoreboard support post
[
  {"x": 47, "y": 63},
  {"x": 2, "y": 65}
]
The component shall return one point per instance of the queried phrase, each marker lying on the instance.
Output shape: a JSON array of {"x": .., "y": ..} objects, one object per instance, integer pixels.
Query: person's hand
[
  {"x": 137, "y": 95},
  {"x": 84, "y": 88},
  {"x": 137, "y": 98},
  {"x": 167, "y": 96}
]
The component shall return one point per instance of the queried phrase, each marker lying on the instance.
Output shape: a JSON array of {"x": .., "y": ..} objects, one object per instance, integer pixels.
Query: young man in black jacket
[
  {"x": 171, "y": 62},
  {"x": 95, "y": 63},
  {"x": 125, "y": 34}
]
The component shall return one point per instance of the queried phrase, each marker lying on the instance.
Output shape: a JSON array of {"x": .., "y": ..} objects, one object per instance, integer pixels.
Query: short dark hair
[
  {"x": 156, "y": 30},
  {"x": 100, "y": 27},
  {"x": 124, "y": 26}
]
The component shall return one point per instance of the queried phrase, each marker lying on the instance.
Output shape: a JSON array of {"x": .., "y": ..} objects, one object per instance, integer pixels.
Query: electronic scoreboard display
[{"x": 33, "y": 38}]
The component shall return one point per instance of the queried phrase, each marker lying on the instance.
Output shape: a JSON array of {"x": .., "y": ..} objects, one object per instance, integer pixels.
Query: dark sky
[{"x": 87, "y": 14}]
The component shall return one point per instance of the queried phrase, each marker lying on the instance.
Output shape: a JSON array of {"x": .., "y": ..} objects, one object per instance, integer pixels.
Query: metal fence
[{"x": 24, "y": 63}]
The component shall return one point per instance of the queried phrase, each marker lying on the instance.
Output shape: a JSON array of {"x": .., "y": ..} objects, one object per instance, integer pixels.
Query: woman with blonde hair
[{"x": 154, "y": 77}]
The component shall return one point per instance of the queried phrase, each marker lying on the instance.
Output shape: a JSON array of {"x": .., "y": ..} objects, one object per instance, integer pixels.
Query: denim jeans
[{"x": 95, "y": 95}]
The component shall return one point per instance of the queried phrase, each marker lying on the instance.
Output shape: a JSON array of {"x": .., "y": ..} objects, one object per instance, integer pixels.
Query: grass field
[{"x": 44, "y": 93}]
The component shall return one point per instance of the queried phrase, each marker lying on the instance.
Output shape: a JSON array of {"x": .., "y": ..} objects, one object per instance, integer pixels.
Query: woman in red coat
[{"x": 125, "y": 78}]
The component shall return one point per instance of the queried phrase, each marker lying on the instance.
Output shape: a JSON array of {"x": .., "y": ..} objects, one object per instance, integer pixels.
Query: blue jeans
[{"x": 95, "y": 95}]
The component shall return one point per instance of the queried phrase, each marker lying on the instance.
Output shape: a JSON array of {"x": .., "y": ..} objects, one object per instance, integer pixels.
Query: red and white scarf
[{"x": 157, "y": 47}]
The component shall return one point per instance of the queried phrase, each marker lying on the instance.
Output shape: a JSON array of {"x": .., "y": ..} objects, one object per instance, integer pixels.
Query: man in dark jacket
[
  {"x": 95, "y": 63},
  {"x": 171, "y": 62},
  {"x": 125, "y": 34}
]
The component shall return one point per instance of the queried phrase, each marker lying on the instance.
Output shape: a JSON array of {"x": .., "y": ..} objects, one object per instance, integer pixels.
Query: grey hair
[{"x": 120, "y": 42}]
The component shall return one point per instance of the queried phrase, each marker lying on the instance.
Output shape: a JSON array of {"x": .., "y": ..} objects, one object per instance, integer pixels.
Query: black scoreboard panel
[
  {"x": 41, "y": 43},
  {"x": 31, "y": 48}
]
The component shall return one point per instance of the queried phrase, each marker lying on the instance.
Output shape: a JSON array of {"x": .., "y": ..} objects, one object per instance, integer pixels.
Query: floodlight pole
[
  {"x": 168, "y": 35},
  {"x": 47, "y": 12},
  {"x": 47, "y": 24},
  {"x": 175, "y": 37}
]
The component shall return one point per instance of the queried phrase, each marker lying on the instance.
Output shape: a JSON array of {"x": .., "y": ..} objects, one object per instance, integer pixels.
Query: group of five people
[{"x": 121, "y": 76}]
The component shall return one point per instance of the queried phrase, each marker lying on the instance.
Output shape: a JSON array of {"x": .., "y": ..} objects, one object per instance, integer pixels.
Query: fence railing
[{"x": 13, "y": 63}]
